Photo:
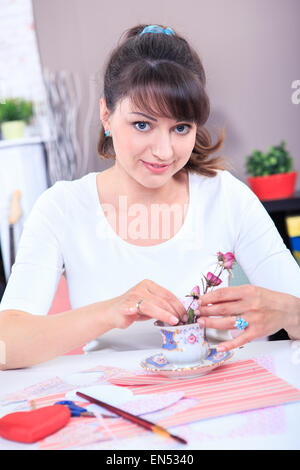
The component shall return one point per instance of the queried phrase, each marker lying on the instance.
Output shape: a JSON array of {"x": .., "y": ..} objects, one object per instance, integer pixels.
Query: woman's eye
[
  {"x": 142, "y": 123},
  {"x": 182, "y": 128}
]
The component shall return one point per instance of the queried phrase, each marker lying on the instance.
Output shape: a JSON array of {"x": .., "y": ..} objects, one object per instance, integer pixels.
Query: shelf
[
  {"x": 20, "y": 142},
  {"x": 283, "y": 205}
]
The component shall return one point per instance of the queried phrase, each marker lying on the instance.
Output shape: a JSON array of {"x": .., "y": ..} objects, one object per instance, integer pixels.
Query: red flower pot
[{"x": 279, "y": 186}]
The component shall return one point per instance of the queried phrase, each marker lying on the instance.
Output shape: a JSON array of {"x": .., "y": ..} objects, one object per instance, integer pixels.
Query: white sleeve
[
  {"x": 39, "y": 263},
  {"x": 259, "y": 248}
]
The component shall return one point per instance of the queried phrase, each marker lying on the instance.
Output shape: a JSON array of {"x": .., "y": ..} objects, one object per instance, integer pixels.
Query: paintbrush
[
  {"x": 14, "y": 215},
  {"x": 134, "y": 419}
]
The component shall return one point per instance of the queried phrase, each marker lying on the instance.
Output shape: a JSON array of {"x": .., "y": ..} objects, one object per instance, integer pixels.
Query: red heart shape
[{"x": 33, "y": 425}]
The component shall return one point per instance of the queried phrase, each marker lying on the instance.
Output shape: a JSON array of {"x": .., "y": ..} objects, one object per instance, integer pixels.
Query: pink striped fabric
[
  {"x": 232, "y": 388},
  {"x": 241, "y": 386},
  {"x": 139, "y": 380}
]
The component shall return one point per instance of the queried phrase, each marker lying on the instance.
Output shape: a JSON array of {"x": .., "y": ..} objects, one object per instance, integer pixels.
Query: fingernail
[
  {"x": 185, "y": 317},
  {"x": 132, "y": 309},
  {"x": 201, "y": 322},
  {"x": 197, "y": 312},
  {"x": 221, "y": 348},
  {"x": 174, "y": 320}
]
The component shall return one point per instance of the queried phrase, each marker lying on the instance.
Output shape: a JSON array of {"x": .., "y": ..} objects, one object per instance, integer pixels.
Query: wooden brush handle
[{"x": 15, "y": 208}]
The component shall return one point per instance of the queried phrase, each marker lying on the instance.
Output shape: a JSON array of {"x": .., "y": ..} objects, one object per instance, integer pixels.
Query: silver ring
[
  {"x": 240, "y": 323},
  {"x": 138, "y": 306}
]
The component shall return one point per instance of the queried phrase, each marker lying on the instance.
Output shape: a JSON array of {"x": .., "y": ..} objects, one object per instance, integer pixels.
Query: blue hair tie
[{"x": 157, "y": 29}]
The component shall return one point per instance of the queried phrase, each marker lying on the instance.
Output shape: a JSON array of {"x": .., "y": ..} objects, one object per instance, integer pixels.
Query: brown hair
[{"x": 164, "y": 70}]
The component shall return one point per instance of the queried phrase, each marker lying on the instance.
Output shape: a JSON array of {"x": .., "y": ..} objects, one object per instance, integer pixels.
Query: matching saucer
[{"x": 160, "y": 365}]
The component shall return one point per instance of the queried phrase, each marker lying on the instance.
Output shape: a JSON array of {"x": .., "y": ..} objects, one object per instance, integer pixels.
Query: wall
[
  {"x": 20, "y": 71},
  {"x": 249, "y": 49}
]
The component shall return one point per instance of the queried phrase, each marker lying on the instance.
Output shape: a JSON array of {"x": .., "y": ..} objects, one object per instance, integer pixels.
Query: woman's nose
[{"x": 163, "y": 147}]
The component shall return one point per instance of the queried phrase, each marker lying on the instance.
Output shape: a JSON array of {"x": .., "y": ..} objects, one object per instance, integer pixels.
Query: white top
[{"x": 67, "y": 226}]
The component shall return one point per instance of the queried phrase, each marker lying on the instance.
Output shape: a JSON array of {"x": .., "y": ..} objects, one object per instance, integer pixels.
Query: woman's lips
[{"x": 154, "y": 169}]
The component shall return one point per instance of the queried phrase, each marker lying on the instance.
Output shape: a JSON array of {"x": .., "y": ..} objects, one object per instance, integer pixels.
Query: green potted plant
[
  {"x": 15, "y": 113},
  {"x": 272, "y": 174}
]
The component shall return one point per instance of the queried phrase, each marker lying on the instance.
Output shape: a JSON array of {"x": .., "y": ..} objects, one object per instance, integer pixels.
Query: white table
[{"x": 269, "y": 428}]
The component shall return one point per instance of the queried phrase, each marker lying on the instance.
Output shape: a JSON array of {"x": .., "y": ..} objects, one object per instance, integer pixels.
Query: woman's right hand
[{"x": 158, "y": 303}]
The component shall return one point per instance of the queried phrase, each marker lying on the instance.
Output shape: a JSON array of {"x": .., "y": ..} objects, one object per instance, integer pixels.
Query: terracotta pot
[
  {"x": 183, "y": 344},
  {"x": 279, "y": 186}
]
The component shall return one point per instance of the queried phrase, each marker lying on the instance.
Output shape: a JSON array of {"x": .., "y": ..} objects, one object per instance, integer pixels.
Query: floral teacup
[{"x": 184, "y": 345}]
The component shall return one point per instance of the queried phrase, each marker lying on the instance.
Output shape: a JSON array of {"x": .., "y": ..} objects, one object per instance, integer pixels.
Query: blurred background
[{"x": 52, "y": 56}]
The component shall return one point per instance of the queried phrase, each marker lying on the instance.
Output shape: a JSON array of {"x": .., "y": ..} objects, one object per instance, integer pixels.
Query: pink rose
[
  {"x": 195, "y": 291},
  {"x": 192, "y": 339},
  {"x": 160, "y": 360},
  {"x": 213, "y": 280},
  {"x": 226, "y": 260}
]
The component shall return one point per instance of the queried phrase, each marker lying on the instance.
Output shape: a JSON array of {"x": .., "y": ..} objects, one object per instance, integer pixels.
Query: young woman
[{"x": 134, "y": 239}]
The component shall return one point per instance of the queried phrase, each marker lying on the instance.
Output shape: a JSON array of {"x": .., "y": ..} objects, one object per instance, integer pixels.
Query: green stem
[{"x": 191, "y": 319}]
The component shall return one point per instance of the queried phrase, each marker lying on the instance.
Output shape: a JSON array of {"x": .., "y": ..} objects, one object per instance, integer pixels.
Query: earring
[{"x": 107, "y": 132}]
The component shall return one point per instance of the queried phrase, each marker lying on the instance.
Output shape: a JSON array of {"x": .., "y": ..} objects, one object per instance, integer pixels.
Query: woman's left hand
[{"x": 264, "y": 310}]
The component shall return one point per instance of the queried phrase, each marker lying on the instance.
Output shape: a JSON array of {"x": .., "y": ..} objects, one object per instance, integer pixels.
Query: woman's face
[{"x": 140, "y": 139}]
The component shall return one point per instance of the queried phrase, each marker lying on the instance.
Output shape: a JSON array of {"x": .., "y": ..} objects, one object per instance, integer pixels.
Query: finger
[
  {"x": 157, "y": 290},
  {"x": 225, "y": 294},
  {"x": 153, "y": 311},
  {"x": 225, "y": 308},
  {"x": 142, "y": 318},
  {"x": 237, "y": 342},
  {"x": 165, "y": 305},
  {"x": 221, "y": 323}
]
